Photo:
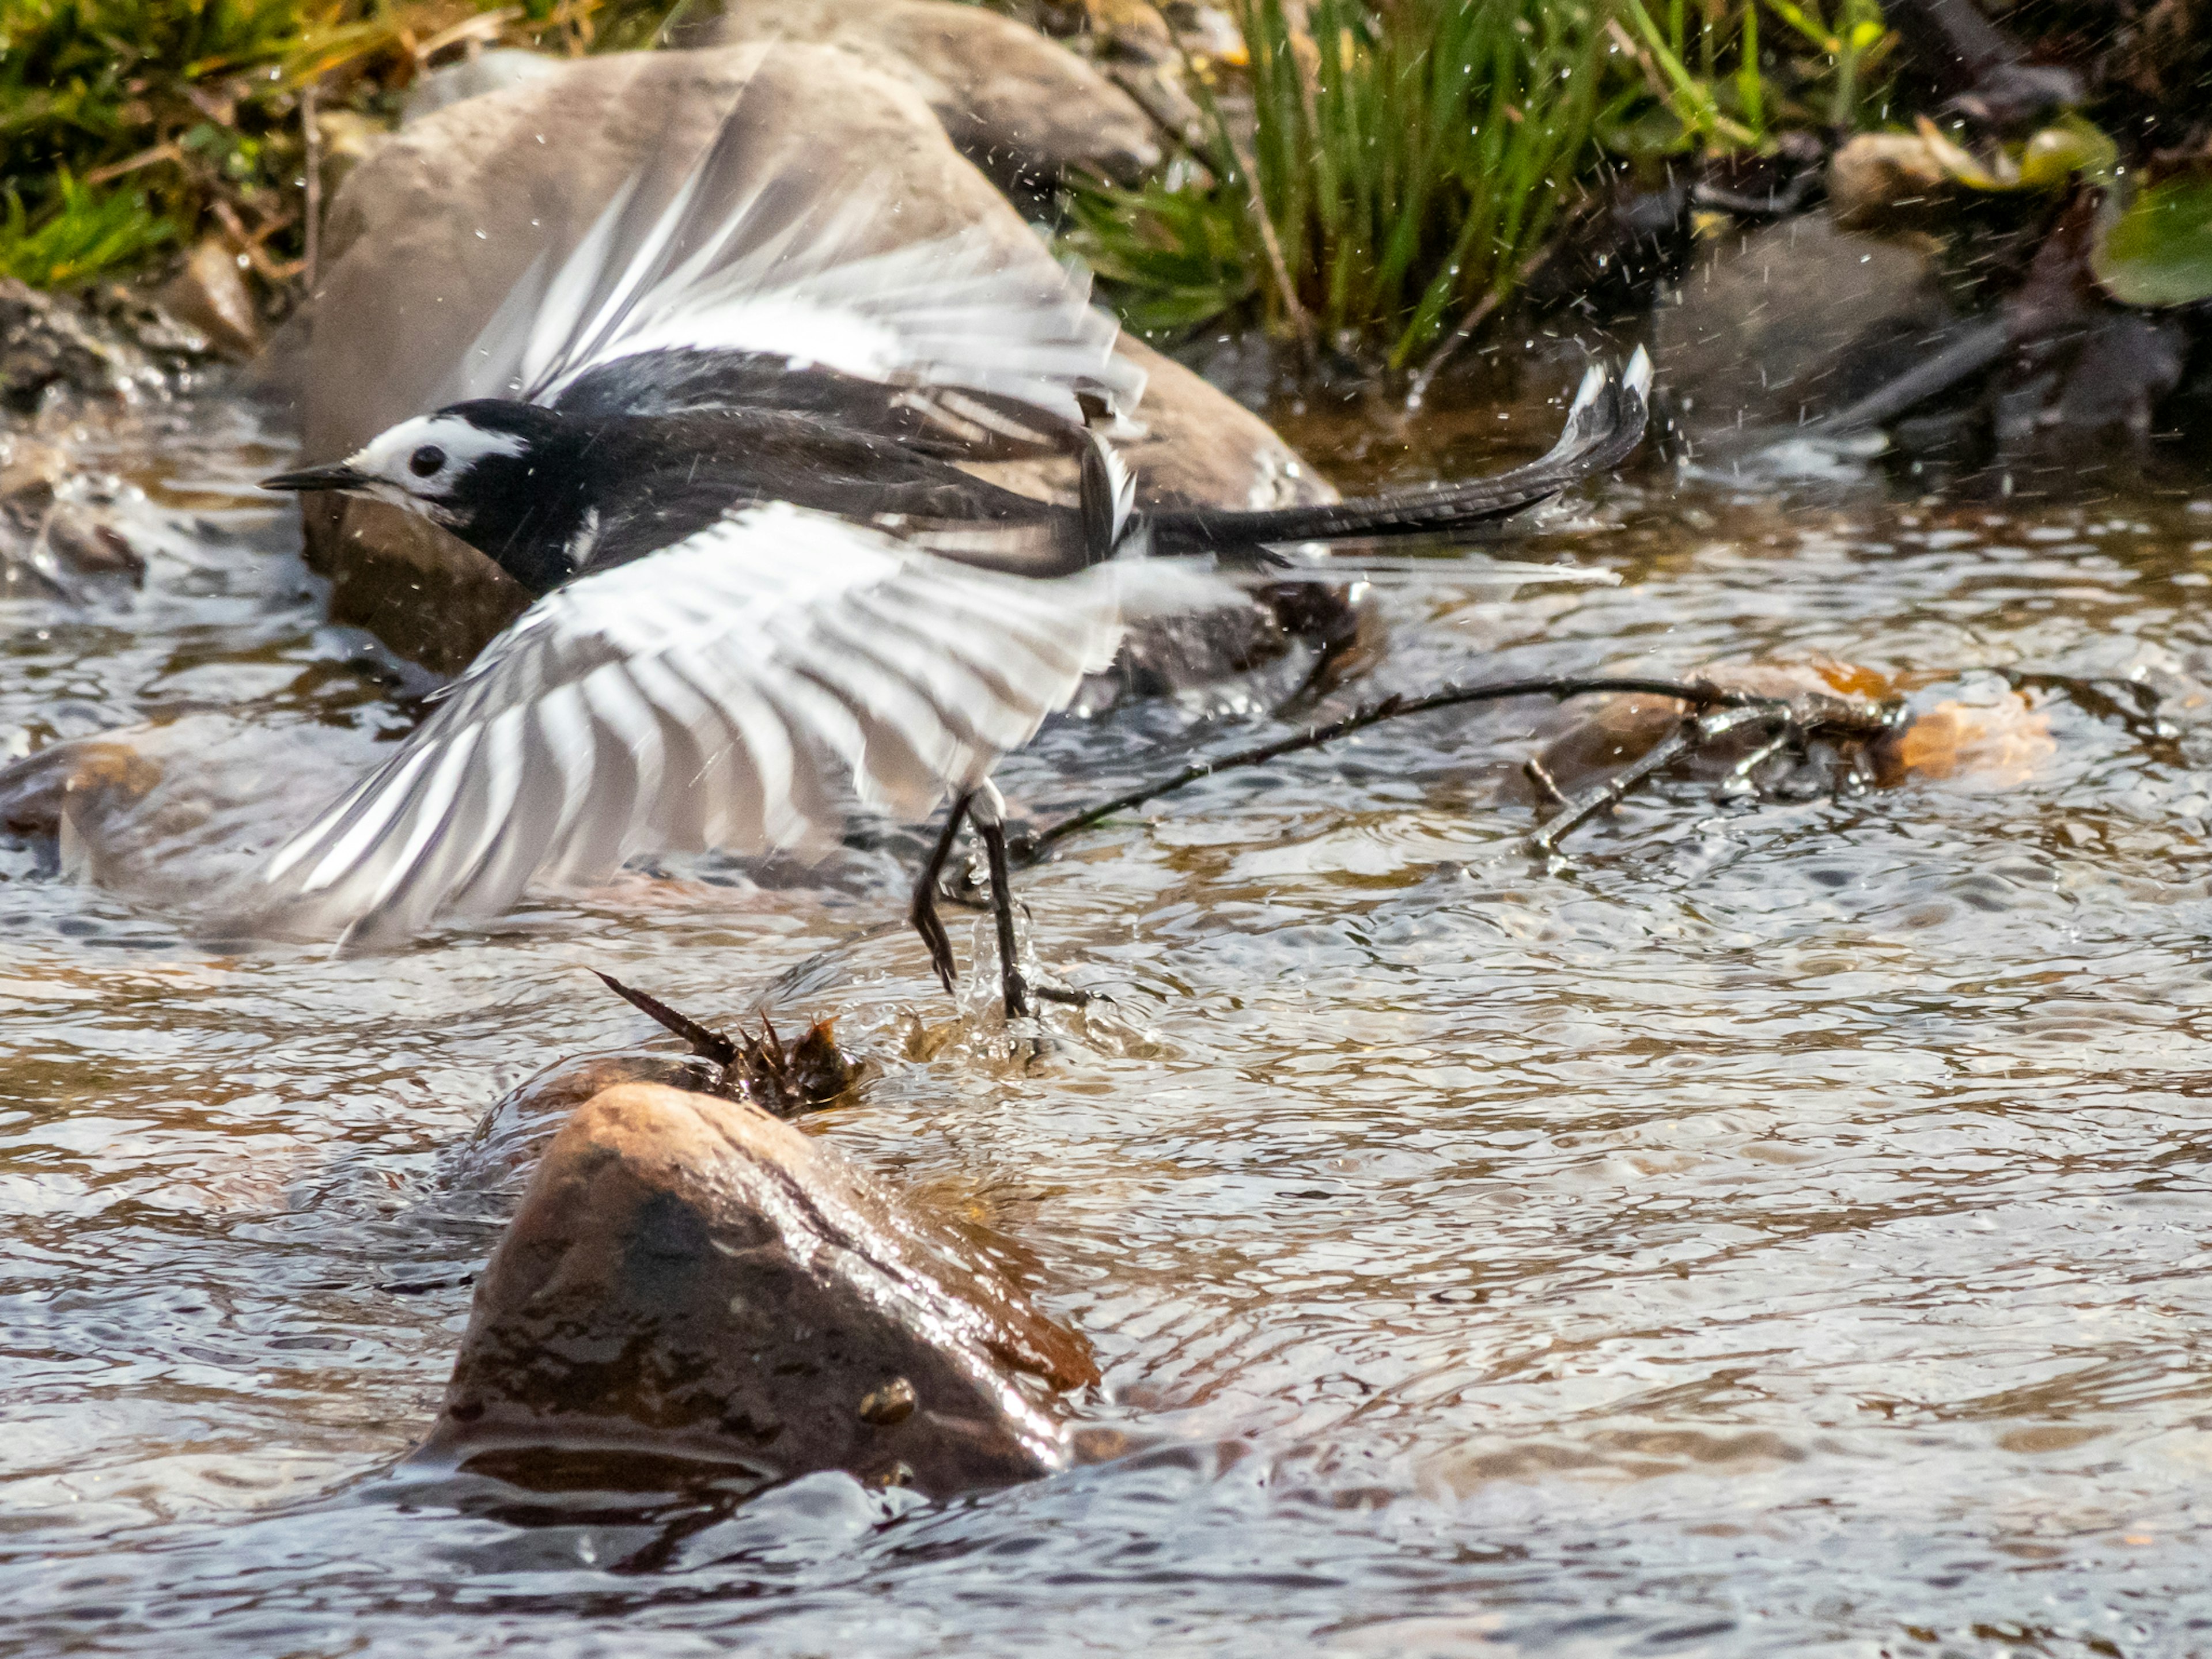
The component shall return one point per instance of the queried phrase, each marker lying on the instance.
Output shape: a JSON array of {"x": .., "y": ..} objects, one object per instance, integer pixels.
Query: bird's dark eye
[{"x": 426, "y": 460}]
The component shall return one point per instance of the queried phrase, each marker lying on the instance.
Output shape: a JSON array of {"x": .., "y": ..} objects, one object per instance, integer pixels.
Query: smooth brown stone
[
  {"x": 1784, "y": 323},
  {"x": 1020, "y": 107},
  {"x": 689, "y": 1277},
  {"x": 509, "y": 1141},
  {"x": 37, "y": 791},
  {"x": 209, "y": 293}
]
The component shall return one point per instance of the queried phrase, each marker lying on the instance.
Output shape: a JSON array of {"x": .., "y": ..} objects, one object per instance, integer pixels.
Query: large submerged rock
[
  {"x": 433, "y": 229},
  {"x": 690, "y": 1277}
]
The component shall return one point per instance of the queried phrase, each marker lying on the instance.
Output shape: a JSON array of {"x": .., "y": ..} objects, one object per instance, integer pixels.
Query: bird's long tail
[{"x": 1604, "y": 424}]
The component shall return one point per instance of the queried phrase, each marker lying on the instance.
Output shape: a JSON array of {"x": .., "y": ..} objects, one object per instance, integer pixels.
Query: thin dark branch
[
  {"x": 707, "y": 1045},
  {"x": 1699, "y": 694}
]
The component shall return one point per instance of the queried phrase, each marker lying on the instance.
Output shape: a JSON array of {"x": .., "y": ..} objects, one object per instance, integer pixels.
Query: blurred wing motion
[
  {"x": 762, "y": 281},
  {"x": 714, "y": 695}
]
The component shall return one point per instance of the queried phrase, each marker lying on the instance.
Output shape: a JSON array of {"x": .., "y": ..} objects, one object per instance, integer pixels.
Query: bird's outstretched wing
[
  {"x": 759, "y": 276},
  {"x": 730, "y": 692}
]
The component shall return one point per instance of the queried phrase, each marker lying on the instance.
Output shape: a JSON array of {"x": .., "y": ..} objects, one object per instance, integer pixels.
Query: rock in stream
[
  {"x": 690, "y": 1277},
  {"x": 1021, "y": 107}
]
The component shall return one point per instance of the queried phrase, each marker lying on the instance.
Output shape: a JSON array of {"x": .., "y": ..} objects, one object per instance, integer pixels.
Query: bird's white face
[{"x": 418, "y": 464}]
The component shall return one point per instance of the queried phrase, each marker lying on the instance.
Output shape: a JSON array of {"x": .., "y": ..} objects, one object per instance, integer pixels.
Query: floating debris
[{"x": 786, "y": 1081}]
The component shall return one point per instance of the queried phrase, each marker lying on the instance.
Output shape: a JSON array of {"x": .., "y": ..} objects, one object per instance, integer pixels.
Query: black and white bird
[{"x": 719, "y": 445}]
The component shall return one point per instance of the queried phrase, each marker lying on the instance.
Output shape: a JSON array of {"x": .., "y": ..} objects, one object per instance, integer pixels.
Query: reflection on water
[{"x": 1776, "y": 1228}]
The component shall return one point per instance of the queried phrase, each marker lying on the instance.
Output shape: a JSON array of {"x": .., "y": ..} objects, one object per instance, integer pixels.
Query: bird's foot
[{"x": 922, "y": 911}]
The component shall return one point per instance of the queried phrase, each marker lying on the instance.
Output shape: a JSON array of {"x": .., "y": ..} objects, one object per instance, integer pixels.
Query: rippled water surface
[{"x": 1775, "y": 1228}]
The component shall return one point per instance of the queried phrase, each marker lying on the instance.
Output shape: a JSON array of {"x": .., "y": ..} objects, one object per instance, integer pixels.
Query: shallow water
[{"x": 1775, "y": 1228}]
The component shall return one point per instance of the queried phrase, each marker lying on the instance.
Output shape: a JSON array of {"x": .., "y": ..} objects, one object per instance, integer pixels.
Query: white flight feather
[
  {"x": 710, "y": 691},
  {"x": 752, "y": 274},
  {"x": 503, "y": 785},
  {"x": 430, "y": 811},
  {"x": 377, "y": 810}
]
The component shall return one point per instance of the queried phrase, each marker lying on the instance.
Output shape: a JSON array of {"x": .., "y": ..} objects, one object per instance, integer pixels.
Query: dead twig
[
  {"x": 1847, "y": 716},
  {"x": 144, "y": 158},
  {"x": 1693, "y": 733},
  {"x": 708, "y": 1045},
  {"x": 484, "y": 27},
  {"x": 273, "y": 271},
  {"x": 785, "y": 1080},
  {"x": 1547, "y": 786}
]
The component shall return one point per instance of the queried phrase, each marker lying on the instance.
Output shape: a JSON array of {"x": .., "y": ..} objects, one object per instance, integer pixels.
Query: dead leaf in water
[{"x": 2005, "y": 742}]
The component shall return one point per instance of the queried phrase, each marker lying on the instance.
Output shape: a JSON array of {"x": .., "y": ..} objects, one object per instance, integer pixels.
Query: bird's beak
[{"x": 339, "y": 476}]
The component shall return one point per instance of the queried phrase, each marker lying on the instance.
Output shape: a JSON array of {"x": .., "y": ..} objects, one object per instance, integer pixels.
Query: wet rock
[
  {"x": 433, "y": 600},
  {"x": 169, "y": 811},
  {"x": 2036, "y": 377},
  {"x": 689, "y": 1277},
  {"x": 40, "y": 792},
  {"x": 1021, "y": 107},
  {"x": 1627, "y": 243},
  {"x": 32, "y": 472},
  {"x": 503, "y": 1151},
  {"x": 1775, "y": 328},
  {"x": 1984, "y": 71},
  {"x": 80, "y": 541},
  {"x": 2124, "y": 367},
  {"x": 45, "y": 341},
  {"x": 1147, "y": 51},
  {"x": 2086, "y": 379},
  {"x": 52, "y": 344},
  {"x": 1887, "y": 182},
  {"x": 430, "y": 232},
  {"x": 57, "y": 527},
  {"x": 211, "y": 295},
  {"x": 108, "y": 345}
]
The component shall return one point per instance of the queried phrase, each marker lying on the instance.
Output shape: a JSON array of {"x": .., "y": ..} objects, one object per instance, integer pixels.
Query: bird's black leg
[
  {"x": 987, "y": 807},
  {"x": 922, "y": 913}
]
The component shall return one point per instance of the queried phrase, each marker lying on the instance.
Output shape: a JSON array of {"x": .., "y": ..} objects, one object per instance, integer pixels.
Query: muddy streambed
[{"x": 1779, "y": 1228}]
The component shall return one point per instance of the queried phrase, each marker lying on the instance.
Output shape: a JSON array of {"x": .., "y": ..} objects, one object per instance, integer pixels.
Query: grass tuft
[
  {"x": 89, "y": 232},
  {"x": 131, "y": 127},
  {"x": 1403, "y": 162}
]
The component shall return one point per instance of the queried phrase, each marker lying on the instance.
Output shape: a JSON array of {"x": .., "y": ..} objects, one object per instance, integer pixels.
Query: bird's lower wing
[{"x": 733, "y": 691}]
